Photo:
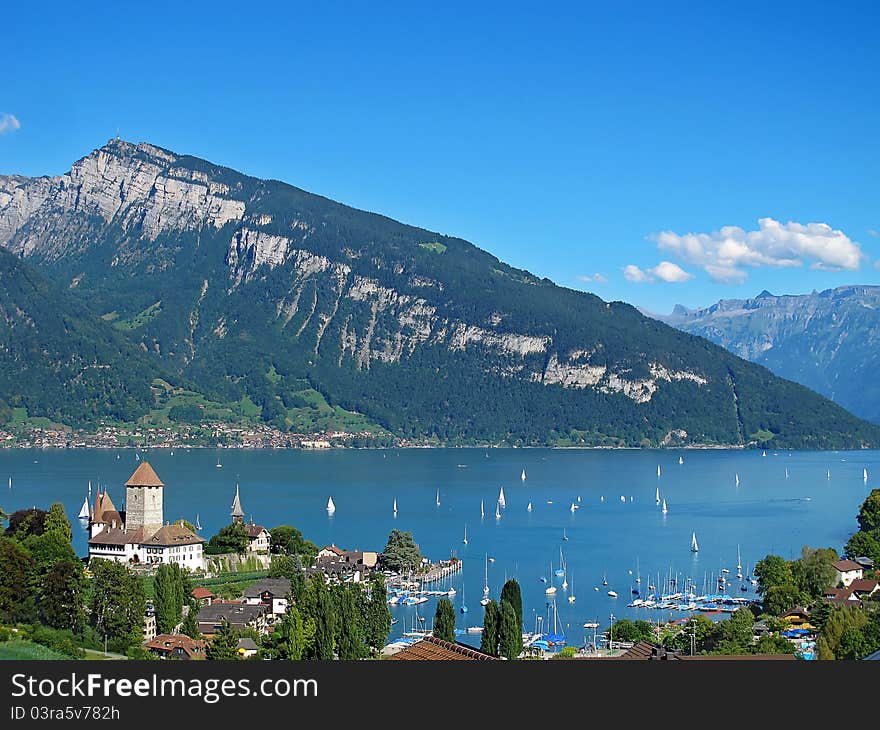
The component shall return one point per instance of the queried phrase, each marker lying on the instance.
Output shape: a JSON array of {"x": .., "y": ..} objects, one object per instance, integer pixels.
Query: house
[
  {"x": 149, "y": 626},
  {"x": 847, "y": 571},
  {"x": 332, "y": 552},
  {"x": 138, "y": 534},
  {"x": 644, "y": 650},
  {"x": 176, "y": 646},
  {"x": 259, "y": 539},
  {"x": 841, "y": 596},
  {"x": 247, "y": 648},
  {"x": 239, "y": 616},
  {"x": 363, "y": 560},
  {"x": 203, "y": 595},
  {"x": 864, "y": 587},
  {"x": 796, "y": 617},
  {"x": 431, "y": 648},
  {"x": 271, "y": 592},
  {"x": 865, "y": 562}
]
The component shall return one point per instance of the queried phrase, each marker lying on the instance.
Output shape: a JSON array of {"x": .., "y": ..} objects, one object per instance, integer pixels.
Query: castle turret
[{"x": 143, "y": 500}]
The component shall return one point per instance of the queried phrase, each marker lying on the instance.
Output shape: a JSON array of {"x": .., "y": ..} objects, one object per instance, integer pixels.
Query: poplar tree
[
  {"x": 510, "y": 644},
  {"x": 444, "y": 620},
  {"x": 491, "y": 627}
]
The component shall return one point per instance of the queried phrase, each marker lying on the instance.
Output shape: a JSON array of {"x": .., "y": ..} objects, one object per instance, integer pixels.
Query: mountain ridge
[{"x": 254, "y": 287}]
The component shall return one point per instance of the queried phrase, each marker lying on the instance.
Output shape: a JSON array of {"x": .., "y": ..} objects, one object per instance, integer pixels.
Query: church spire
[{"x": 237, "y": 511}]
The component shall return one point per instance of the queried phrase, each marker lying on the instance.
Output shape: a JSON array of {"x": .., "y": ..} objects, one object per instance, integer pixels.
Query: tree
[
  {"x": 510, "y": 640},
  {"x": 224, "y": 646},
  {"x": 61, "y": 597},
  {"x": 512, "y": 594},
  {"x": 869, "y": 513},
  {"x": 814, "y": 572},
  {"x": 25, "y": 522},
  {"x": 774, "y": 645},
  {"x": 289, "y": 541},
  {"x": 350, "y": 644},
  {"x": 491, "y": 628},
  {"x": 632, "y": 631},
  {"x": 286, "y": 566},
  {"x": 230, "y": 539},
  {"x": 188, "y": 525},
  {"x": 378, "y": 616},
  {"x": 16, "y": 569},
  {"x": 47, "y": 549},
  {"x": 190, "y": 625},
  {"x": 773, "y": 570},
  {"x": 781, "y": 598},
  {"x": 837, "y": 636},
  {"x": 401, "y": 552},
  {"x": 56, "y": 520},
  {"x": 118, "y": 603},
  {"x": 171, "y": 596},
  {"x": 444, "y": 620},
  {"x": 325, "y": 620},
  {"x": 865, "y": 543},
  {"x": 288, "y": 641}
]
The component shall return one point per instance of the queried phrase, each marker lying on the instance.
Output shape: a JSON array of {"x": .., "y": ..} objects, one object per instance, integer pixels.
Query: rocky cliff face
[
  {"x": 828, "y": 341},
  {"x": 253, "y": 287}
]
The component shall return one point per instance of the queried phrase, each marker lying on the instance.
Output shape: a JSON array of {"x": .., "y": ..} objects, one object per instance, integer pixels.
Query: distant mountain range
[
  {"x": 232, "y": 292},
  {"x": 828, "y": 341}
]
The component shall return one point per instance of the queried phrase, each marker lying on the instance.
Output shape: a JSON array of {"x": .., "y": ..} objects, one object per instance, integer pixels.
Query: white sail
[
  {"x": 438, "y": 497},
  {"x": 464, "y": 540},
  {"x": 497, "y": 511},
  {"x": 828, "y": 474},
  {"x": 664, "y": 506},
  {"x": 657, "y": 495},
  {"x": 573, "y": 507},
  {"x": 622, "y": 498},
  {"x": 198, "y": 523},
  {"x": 681, "y": 460},
  {"x": 84, "y": 510},
  {"x": 764, "y": 454},
  {"x": 865, "y": 474},
  {"x": 10, "y": 482},
  {"x": 395, "y": 506},
  {"x": 694, "y": 546},
  {"x": 658, "y": 470},
  {"x": 529, "y": 507},
  {"x": 737, "y": 479},
  {"x": 501, "y": 500},
  {"x": 482, "y": 509},
  {"x": 786, "y": 472},
  {"x": 486, "y": 586},
  {"x": 331, "y": 508},
  {"x": 90, "y": 489},
  {"x": 523, "y": 475}
]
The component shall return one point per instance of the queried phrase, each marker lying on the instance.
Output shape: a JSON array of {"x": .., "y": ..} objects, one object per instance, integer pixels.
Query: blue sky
[{"x": 567, "y": 140}]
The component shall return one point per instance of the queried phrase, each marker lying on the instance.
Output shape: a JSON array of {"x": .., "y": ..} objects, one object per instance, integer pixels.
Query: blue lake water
[{"x": 766, "y": 513}]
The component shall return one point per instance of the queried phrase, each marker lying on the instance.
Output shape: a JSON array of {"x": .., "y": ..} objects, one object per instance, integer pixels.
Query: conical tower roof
[
  {"x": 237, "y": 511},
  {"x": 144, "y": 476}
]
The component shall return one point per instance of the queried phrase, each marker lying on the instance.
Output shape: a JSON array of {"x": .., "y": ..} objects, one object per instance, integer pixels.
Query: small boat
[
  {"x": 84, "y": 510},
  {"x": 463, "y": 608},
  {"x": 865, "y": 475},
  {"x": 482, "y": 510},
  {"x": 695, "y": 548},
  {"x": 737, "y": 479},
  {"x": 219, "y": 465},
  {"x": 497, "y": 510},
  {"x": 198, "y": 523},
  {"x": 786, "y": 472},
  {"x": 551, "y": 589},
  {"x": 523, "y": 475},
  {"x": 739, "y": 568},
  {"x": 438, "y": 497},
  {"x": 604, "y": 580},
  {"x": 764, "y": 454},
  {"x": 613, "y": 594},
  {"x": 828, "y": 474},
  {"x": 657, "y": 495},
  {"x": 573, "y": 507},
  {"x": 622, "y": 498},
  {"x": 663, "y": 509},
  {"x": 602, "y": 498},
  {"x": 681, "y": 460},
  {"x": 486, "y": 584},
  {"x": 571, "y": 596},
  {"x": 564, "y": 536},
  {"x": 394, "y": 507},
  {"x": 10, "y": 482},
  {"x": 464, "y": 540},
  {"x": 331, "y": 508},
  {"x": 658, "y": 471},
  {"x": 529, "y": 507},
  {"x": 501, "y": 501},
  {"x": 90, "y": 489}
]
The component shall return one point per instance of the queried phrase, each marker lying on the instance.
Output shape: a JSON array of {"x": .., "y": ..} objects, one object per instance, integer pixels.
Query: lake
[{"x": 607, "y": 537}]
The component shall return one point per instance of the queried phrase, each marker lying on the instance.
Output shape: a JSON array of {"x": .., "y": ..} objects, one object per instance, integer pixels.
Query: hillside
[
  {"x": 248, "y": 287},
  {"x": 828, "y": 341}
]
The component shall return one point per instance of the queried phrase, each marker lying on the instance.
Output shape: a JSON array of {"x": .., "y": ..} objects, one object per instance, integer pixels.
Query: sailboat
[
  {"x": 464, "y": 540},
  {"x": 501, "y": 501},
  {"x": 497, "y": 510},
  {"x": 84, "y": 510},
  {"x": 681, "y": 460},
  {"x": 739, "y": 568},
  {"x": 486, "y": 585},
  {"x": 657, "y": 495},
  {"x": 573, "y": 507},
  {"x": 218, "y": 461},
  {"x": 865, "y": 475},
  {"x": 604, "y": 579},
  {"x": 564, "y": 536},
  {"x": 438, "y": 498},
  {"x": 663, "y": 509},
  {"x": 331, "y": 508},
  {"x": 560, "y": 571},
  {"x": 463, "y": 608},
  {"x": 90, "y": 489},
  {"x": 658, "y": 471},
  {"x": 529, "y": 507},
  {"x": 551, "y": 589},
  {"x": 828, "y": 474},
  {"x": 394, "y": 507},
  {"x": 786, "y": 472},
  {"x": 695, "y": 548},
  {"x": 523, "y": 475},
  {"x": 764, "y": 454},
  {"x": 198, "y": 523},
  {"x": 737, "y": 478},
  {"x": 10, "y": 482},
  {"x": 571, "y": 597}
]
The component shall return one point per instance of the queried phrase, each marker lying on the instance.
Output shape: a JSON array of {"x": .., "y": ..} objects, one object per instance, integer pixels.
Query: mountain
[
  {"x": 248, "y": 287},
  {"x": 57, "y": 360},
  {"x": 828, "y": 341}
]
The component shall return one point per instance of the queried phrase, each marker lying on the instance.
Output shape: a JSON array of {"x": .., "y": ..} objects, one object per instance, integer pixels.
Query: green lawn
[{"x": 17, "y": 649}]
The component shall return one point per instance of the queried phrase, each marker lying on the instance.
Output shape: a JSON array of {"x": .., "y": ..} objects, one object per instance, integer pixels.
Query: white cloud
[
  {"x": 595, "y": 278},
  {"x": 664, "y": 271},
  {"x": 723, "y": 254},
  {"x": 9, "y": 123}
]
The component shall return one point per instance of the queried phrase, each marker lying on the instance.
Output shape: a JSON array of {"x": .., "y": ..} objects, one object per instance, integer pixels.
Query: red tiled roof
[
  {"x": 166, "y": 643},
  {"x": 254, "y": 530},
  {"x": 433, "y": 649},
  {"x": 846, "y": 565},
  {"x": 864, "y": 585},
  {"x": 199, "y": 592},
  {"x": 144, "y": 476}
]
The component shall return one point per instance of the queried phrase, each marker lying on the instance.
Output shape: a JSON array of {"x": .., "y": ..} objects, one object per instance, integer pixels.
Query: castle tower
[
  {"x": 237, "y": 511},
  {"x": 143, "y": 500}
]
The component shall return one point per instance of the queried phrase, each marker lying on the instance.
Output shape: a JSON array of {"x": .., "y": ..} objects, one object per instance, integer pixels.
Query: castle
[{"x": 138, "y": 534}]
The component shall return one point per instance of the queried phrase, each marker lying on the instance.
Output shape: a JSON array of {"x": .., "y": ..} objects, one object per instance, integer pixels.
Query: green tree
[
  {"x": 842, "y": 622},
  {"x": 869, "y": 513},
  {"x": 190, "y": 625},
  {"x": 118, "y": 603},
  {"x": 230, "y": 539},
  {"x": 632, "y": 631},
  {"x": 171, "y": 596},
  {"x": 774, "y": 645},
  {"x": 401, "y": 552},
  {"x": 288, "y": 641},
  {"x": 62, "y": 601},
  {"x": 773, "y": 570},
  {"x": 491, "y": 628},
  {"x": 57, "y": 520},
  {"x": 512, "y": 594},
  {"x": 48, "y": 549},
  {"x": 16, "y": 571},
  {"x": 813, "y": 573},
  {"x": 510, "y": 643},
  {"x": 865, "y": 543},
  {"x": 444, "y": 620},
  {"x": 781, "y": 598},
  {"x": 350, "y": 645},
  {"x": 325, "y": 619},
  {"x": 224, "y": 646},
  {"x": 287, "y": 540},
  {"x": 26, "y": 522},
  {"x": 378, "y": 616}
]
